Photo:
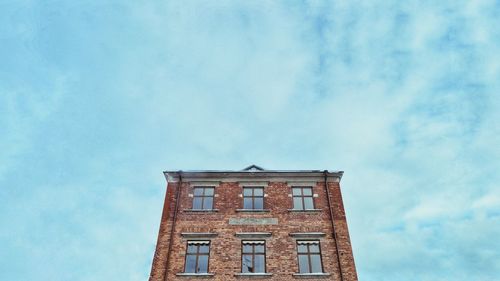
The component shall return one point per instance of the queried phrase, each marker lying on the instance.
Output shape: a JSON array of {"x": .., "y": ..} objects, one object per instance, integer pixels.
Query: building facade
[{"x": 253, "y": 223}]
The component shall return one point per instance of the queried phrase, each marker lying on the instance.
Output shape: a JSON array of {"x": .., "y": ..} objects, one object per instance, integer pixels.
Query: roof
[{"x": 251, "y": 173}]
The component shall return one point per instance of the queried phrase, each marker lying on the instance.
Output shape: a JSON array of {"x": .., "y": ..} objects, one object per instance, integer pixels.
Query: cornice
[{"x": 248, "y": 177}]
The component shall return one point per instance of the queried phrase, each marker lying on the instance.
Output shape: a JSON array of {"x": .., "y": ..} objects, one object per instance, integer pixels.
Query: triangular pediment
[{"x": 253, "y": 168}]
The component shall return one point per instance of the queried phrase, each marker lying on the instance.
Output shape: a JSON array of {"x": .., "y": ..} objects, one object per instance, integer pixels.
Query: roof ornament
[{"x": 253, "y": 168}]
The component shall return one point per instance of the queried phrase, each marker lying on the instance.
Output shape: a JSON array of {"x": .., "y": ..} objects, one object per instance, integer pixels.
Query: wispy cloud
[{"x": 98, "y": 98}]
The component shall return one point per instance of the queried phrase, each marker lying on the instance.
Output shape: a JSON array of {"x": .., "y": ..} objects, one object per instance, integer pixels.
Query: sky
[{"x": 97, "y": 98}]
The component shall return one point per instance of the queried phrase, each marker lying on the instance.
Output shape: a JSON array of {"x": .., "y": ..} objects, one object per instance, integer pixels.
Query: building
[{"x": 254, "y": 223}]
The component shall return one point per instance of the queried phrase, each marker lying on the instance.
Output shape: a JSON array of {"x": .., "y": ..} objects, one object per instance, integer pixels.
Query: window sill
[
  {"x": 305, "y": 210},
  {"x": 198, "y": 275},
  {"x": 253, "y": 275},
  {"x": 200, "y": 210},
  {"x": 253, "y": 210},
  {"x": 312, "y": 275}
]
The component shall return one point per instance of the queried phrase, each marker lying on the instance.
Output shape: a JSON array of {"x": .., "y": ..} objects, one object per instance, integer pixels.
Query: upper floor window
[
  {"x": 302, "y": 198},
  {"x": 253, "y": 256},
  {"x": 203, "y": 198},
  {"x": 253, "y": 198},
  {"x": 309, "y": 256},
  {"x": 197, "y": 254}
]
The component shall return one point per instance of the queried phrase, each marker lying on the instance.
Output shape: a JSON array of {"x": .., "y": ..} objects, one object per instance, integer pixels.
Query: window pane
[
  {"x": 204, "y": 249},
  {"x": 192, "y": 248},
  {"x": 303, "y": 264},
  {"x": 247, "y": 248},
  {"x": 247, "y": 191},
  {"x": 307, "y": 191},
  {"x": 209, "y": 191},
  {"x": 297, "y": 203},
  {"x": 316, "y": 263},
  {"x": 314, "y": 248},
  {"x": 246, "y": 264},
  {"x": 198, "y": 191},
  {"x": 259, "y": 263},
  {"x": 208, "y": 203},
  {"x": 258, "y": 203},
  {"x": 190, "y": 264},
  {"x": 202, "y": 264},
  {"x": 197, "y": 203},
  {"x": 259, "y": 249},
  {"x": 302, "y": 248},
  {"x": 247, "y": 203},
  {"x": 296, "y": 191},
  {"x": 308, "y": 203},
  {"x": 258, "y": 192}
]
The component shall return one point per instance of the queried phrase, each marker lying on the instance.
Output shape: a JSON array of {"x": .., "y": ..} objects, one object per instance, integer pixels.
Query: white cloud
[{"x": 402, "y": 96}]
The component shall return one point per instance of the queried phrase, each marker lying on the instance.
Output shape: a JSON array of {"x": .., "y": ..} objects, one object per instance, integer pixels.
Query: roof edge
[{"x": 229, "y": 175}]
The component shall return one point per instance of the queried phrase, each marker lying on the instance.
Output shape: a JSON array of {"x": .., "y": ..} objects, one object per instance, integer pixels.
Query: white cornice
[{"x": 249, "y": 177}]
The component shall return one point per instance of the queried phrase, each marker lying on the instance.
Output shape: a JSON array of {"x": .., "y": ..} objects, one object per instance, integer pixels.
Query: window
[
  {"x": 197, "y": 254},
  {"x": 302, "y": 198},
  {"x": 203, "y": 198},
  {"x": 253, "y": 198},
  {"x": 253, "y": 256},
  {"x": 309, "y": 255}
]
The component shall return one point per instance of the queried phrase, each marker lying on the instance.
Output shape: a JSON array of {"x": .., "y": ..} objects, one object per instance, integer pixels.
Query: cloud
[{"x": 98, "y": 98}]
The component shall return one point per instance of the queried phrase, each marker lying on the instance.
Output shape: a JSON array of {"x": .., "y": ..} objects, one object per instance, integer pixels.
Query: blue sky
[{"x": 97, "y": 98}]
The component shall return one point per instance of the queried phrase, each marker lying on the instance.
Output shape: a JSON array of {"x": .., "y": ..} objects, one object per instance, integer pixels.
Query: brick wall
[{"x": 225, "y": 249}]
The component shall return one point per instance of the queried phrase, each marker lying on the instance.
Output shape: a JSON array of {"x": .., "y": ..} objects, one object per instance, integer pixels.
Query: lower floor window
[
  {"x": 253, "y": 257},
  {"x": 197, "y": 254},
  {"x": 309, "y": 256}
]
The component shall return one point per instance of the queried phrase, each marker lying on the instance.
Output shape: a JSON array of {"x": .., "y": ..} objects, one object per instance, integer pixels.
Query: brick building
[{"x": 254, "y": 223}]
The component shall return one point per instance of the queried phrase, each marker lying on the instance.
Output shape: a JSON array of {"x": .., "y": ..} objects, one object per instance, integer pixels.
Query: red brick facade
[{"x": 283, "y": 225}]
